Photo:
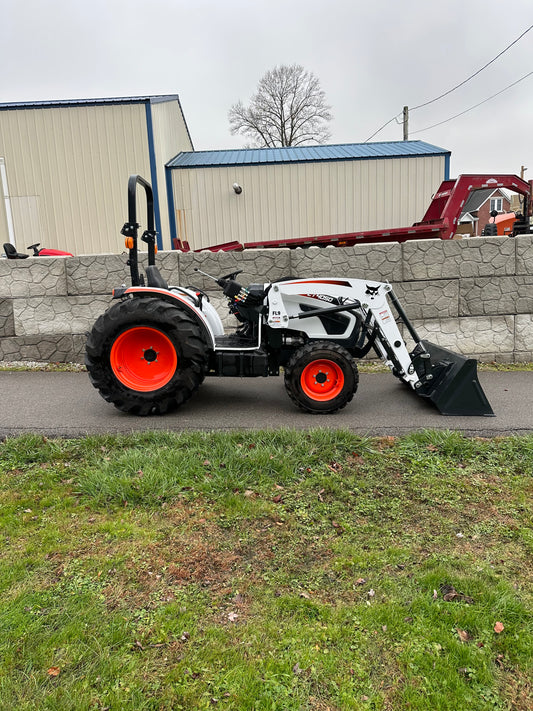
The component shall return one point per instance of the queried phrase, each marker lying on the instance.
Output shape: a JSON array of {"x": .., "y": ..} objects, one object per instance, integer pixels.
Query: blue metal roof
[
  {"x": 88, "y": 102},
  {"x": 304, "y": 154}
]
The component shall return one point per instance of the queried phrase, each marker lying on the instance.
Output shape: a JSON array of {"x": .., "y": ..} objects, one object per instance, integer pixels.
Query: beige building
[
  {"x": 64, "y": 169},
  {"x": 281, "y": 193}
]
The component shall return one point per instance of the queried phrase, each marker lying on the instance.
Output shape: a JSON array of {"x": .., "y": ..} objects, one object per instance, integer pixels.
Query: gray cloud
[{"x": 371, "y": 59}]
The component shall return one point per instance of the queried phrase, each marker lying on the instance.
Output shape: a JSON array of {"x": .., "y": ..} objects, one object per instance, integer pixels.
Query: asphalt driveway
[{"x": 66, "y": 405}]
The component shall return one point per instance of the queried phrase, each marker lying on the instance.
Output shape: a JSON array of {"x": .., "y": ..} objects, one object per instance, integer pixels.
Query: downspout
[{"x": 7, "y": 202}]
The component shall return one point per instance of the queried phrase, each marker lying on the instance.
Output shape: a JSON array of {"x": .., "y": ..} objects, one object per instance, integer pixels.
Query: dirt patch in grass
[
  {"x": 519, "y": 690},
  {"x": 198, "y": 562}
]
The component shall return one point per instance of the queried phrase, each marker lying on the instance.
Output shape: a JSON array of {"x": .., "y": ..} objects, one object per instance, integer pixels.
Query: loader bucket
[{"x": 454, "y": 388}]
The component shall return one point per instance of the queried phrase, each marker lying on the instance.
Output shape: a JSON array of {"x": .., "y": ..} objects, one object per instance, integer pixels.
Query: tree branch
[{"x": 288, "y": 108}]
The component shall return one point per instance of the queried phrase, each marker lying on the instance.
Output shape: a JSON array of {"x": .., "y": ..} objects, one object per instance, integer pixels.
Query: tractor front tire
[
  {"x": 321, "y": 377},
  {"x": 146, "y": 356}
]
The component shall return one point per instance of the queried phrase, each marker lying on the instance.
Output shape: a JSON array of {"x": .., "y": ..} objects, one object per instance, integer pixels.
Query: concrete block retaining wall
[{"x": 474, "y": 296}]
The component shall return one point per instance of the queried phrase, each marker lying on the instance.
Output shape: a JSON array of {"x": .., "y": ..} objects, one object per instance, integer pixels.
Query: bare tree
[{"x": 288, "y": 109}]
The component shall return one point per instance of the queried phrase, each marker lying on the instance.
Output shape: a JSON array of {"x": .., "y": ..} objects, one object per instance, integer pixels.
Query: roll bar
[{"x": 131, "y": 227}]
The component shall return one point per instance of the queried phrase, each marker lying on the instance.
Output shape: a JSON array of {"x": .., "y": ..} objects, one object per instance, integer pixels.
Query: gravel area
[{"x": 41, "y": 366}]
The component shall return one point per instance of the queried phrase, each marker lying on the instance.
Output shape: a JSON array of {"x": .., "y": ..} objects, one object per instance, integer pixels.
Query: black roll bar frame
[{"x": 131, "y": 228}]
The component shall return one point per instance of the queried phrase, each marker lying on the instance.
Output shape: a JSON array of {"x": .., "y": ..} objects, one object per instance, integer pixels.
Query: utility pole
[
  {"x": 522, "y": 171},
  {"x": 405, "y": 123}
]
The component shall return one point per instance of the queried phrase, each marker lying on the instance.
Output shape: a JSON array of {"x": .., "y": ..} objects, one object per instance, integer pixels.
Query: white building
[
  {"x": 64, "y": 168},
  {"x": 303, "y": 191}
]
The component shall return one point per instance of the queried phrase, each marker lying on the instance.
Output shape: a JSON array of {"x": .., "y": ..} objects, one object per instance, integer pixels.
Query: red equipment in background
[
  {"x": 439, "y": 222},
  {"x": 44, "y": 252},
  {"x": 11, "y": 252}
]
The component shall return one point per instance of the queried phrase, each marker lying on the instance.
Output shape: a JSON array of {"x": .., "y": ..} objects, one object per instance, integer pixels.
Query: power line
[
  {"x": 473, "y": 107},
  {"x": 454, "y": 88},
  {"x": 475, "y": 73},
  {"x": 381, "y": 129}
]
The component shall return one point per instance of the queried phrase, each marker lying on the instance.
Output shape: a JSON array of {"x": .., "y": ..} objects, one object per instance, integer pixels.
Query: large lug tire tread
[
  {"x": 307, "y": 361},
  {"x": 182, "y": 333}
]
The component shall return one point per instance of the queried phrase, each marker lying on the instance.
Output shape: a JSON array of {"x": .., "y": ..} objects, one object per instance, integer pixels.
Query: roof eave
[
  {"x": 281, "y": 156},
  {"x": 14, "y": 106}
]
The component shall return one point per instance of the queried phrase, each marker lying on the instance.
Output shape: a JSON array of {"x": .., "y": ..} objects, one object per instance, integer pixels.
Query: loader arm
[
  {"x": 301, "y": 305},
  {"x": 447, "y": 379}
]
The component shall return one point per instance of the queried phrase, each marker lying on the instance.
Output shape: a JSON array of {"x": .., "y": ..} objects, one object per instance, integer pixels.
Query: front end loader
[{"x": 151, "y": 350}]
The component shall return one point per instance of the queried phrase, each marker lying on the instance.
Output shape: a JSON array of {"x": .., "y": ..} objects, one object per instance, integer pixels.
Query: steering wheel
[{"x": 34, "y": 247}]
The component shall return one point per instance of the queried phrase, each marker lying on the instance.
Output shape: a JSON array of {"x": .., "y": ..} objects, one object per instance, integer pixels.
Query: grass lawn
[{"x": 285, "y": 571}]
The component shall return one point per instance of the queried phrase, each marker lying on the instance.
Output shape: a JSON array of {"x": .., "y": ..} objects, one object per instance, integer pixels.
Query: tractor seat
[
  {"x": 154, "y": 278},
  {"x": 11, "y": 252}
]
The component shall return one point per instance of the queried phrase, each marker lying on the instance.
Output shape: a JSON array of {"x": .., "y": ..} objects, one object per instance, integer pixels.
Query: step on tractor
[{"x": 151, "y": 350}]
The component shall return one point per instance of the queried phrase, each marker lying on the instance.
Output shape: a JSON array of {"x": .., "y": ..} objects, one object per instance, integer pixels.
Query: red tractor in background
[{"x": 11, "y": 252}]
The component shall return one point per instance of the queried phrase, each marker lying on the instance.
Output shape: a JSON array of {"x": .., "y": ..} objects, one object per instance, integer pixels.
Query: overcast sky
[{"x": 371, "y": 58}]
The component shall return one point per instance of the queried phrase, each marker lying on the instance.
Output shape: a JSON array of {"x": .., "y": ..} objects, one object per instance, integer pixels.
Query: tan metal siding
[
  {"x": 170, "y": 138},
  {"x": 75, "y": 161},
  {"x": 305, "y": 199},
  {"x": 4, "y": 227}
]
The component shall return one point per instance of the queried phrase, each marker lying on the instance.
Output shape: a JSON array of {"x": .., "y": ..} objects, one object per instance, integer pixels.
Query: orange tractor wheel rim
[
  {"x": 322, "y": 380},
  {"x": 143, "y": 359}
]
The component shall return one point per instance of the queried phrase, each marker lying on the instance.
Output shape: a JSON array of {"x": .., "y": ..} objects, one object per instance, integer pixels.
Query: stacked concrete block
[
  {"x": 507, "y": 295},
  {"x": 57, "y": 314},
  {"x": 50, "y": 348},
  {"x": 523, "y": 338},
  {"x": 22, "y": 279},
  {"x": 97, "y": 274},
  {"x": 39, "y": 318},
  {"x": 524, "y": 254},
  {"x": 428, "y": 299},
  {"x": 257, "y": 265},
  {"x": 492, "y": 293},
  {"x": 474, "y": 296},
  {"x": 379, "y": 262},
  {"x": 458, "y": 259},
  {"x": 490, "y": 338},
  {"x": 7, "y": 323}
]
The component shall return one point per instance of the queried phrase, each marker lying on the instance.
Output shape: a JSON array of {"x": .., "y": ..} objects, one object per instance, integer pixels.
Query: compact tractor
[{"x": 150, "y": 351}]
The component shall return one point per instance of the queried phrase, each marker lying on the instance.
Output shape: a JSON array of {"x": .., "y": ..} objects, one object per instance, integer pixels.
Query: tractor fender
[{"x": 179, "y": 301}]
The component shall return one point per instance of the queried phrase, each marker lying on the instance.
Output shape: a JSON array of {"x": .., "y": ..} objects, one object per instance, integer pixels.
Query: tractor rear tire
[
  {"x": 146, "y": 356},
  {"x": 321, "y": 377}
]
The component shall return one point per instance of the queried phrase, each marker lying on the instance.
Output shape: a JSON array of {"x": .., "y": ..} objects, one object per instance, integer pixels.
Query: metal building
[
  {"x": 64, "y": 168},
  {"x": 306, "y": 191}
]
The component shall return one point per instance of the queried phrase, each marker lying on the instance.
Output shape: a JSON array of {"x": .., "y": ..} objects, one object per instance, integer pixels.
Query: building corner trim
[{"x": 171, "y": 207}]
